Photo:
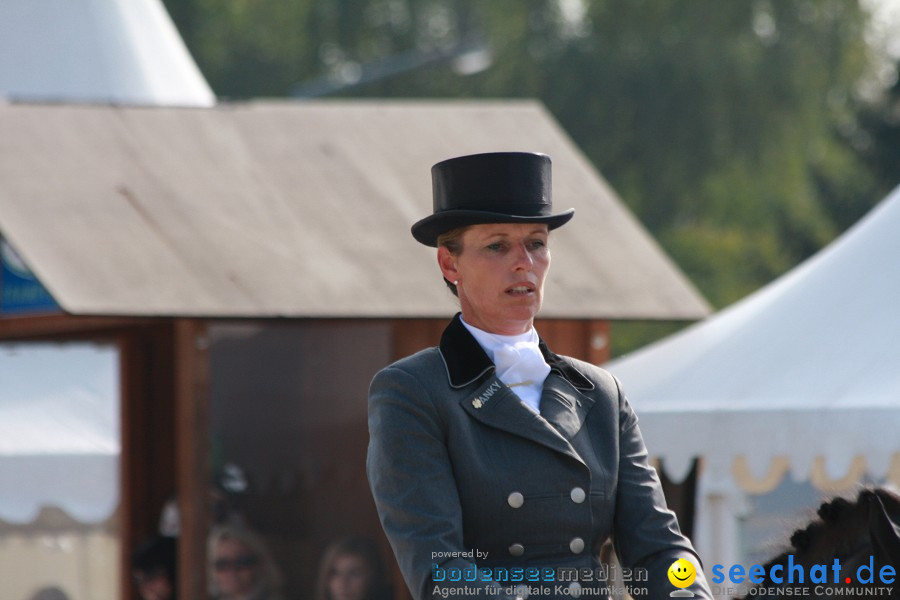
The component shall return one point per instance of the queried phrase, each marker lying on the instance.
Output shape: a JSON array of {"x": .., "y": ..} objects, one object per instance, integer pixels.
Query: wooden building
[{"x": 253, "y": 267}]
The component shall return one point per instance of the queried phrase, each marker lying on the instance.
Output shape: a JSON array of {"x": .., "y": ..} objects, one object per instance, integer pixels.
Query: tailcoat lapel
[
  {"x": 563, "y": 407},
  {"x": 497, "y": 406}
]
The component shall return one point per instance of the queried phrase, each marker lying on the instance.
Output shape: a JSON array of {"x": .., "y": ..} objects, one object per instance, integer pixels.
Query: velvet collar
[{"x": 466, "y": 361}]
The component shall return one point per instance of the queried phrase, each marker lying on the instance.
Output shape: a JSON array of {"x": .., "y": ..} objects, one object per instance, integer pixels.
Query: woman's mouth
[{"x": 520, "y": 290}]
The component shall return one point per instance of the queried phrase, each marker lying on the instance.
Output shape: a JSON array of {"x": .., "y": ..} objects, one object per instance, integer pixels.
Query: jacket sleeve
[
  {"x": 412, "y": 481},
  {"x": 646, "y": 532}
]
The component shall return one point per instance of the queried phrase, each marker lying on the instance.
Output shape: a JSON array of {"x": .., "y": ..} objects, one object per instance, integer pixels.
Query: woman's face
[
  {"x": 500, "y": 275},
  {"x": 349, "y": 579},
  {"x": 236, "y": 569}
]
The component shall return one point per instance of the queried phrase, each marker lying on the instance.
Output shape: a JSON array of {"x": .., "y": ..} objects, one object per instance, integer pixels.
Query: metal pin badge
[{"x": 492, "y": 389}]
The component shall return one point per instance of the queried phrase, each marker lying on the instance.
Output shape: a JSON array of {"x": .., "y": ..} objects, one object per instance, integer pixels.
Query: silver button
[
  {"x": 575, "y": 589},
  {"x": 577, "y": 494},
  {"x": 516, "y": 550},
  {"x": 516, "y": 499},
  {"x": 576, "y": 545}
]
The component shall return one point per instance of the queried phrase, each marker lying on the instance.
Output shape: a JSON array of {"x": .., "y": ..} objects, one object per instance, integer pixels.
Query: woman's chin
[{"x": 525, "y": 309}]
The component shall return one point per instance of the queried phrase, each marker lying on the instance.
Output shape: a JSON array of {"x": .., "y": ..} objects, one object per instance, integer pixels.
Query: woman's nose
[{"x": 523, "y": 258}]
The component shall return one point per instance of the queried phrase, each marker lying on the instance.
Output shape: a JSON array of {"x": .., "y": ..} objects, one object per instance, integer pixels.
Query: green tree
[
  {"x": 877, "y": 138},
  {"x": 730, "y": 128}
]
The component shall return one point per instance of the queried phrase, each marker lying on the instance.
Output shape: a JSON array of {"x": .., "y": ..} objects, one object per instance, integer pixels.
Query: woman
[
  {"x": 240, "y": 567},
  {"x": 352, "y": 569},
  {"x": 498, "y": 467}
]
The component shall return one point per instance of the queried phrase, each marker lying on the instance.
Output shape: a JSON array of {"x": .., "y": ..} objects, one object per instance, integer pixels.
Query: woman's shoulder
[
  {"x": 419, "y": 380},
  {"x": 424, "y": 364}
]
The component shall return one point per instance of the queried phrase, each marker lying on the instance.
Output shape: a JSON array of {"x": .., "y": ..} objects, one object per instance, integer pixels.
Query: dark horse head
[{"x": 860, "y": 534}]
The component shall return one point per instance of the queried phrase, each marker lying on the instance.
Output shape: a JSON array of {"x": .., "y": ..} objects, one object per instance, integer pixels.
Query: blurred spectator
[
  {"x": 49, "y": 593},
  {"x": 240, "y": 567},
  {"x": 352, "y": 569},
  {"x": 153, "y": 568}
]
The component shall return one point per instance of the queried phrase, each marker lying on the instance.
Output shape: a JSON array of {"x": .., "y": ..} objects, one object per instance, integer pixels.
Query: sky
[{"x": 886, "y": 25}]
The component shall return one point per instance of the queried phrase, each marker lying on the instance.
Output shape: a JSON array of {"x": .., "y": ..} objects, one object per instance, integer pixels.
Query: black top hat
[{"x": 499, "y": 187}]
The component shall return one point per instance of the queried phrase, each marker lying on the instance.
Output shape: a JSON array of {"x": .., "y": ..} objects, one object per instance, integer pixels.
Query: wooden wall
[
  {"x": 285, "y": 400},
  {"x": 584, "y": 339}
]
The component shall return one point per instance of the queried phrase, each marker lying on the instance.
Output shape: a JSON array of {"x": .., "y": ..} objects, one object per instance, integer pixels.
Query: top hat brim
[{"x": 428, "y": 229}]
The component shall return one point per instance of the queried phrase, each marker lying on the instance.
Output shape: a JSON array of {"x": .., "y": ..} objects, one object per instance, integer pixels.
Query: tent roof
[
  {"x": 82, "y": 50},
  {"x": 806, "y": 367},
  {"x": 294, "y": 209}
]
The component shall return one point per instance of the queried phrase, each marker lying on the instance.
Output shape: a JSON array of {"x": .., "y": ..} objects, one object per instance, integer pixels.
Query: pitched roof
[{"x": 288, "y": 209}]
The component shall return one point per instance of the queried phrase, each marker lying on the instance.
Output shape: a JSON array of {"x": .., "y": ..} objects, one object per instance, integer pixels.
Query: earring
[{"x": 456, "y": 282}]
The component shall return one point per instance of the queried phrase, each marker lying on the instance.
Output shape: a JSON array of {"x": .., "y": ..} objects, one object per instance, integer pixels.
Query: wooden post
[
  {"x": 598, "y": 344},
  {"x": 148, "y": 435},
  {"x": 133, "y": 508},
  {"x": 192, "y": 452},
  {"x": 587, "y": 340}
]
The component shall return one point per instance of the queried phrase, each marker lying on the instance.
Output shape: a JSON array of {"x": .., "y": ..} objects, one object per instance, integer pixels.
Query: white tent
[
  {"x": 802, "y": 376},
  {"x": 120, "y": 51},
  {"x": 59, "y": 440},
  {"x": 59, "y": 430}
]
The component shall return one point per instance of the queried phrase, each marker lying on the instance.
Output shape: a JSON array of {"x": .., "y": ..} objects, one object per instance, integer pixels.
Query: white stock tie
[{"x": 519, "y": 362}]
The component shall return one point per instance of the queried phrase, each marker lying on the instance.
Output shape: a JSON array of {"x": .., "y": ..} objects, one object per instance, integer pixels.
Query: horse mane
[{"x": 842, "y": 525}]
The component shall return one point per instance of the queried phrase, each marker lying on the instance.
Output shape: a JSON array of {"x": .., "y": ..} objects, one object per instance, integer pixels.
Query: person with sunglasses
[{"x": 240, "y": 567}]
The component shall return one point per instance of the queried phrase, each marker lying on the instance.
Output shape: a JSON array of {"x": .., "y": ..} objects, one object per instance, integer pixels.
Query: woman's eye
[
  {"x": 495, "y": 247},
  {"x": 537, "y": 244}
]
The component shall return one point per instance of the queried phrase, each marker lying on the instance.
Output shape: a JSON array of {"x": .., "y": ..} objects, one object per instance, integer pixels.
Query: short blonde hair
[
  {"x": 452, "y": 240},
  {"x": 270, "y": 578}
]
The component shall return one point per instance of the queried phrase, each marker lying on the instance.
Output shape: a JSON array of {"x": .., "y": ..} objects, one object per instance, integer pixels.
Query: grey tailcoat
[{"x": 471, "y": 484}]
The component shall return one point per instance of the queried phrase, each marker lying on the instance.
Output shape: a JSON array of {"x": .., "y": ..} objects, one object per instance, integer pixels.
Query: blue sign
[{"x": 20, "y": 291}]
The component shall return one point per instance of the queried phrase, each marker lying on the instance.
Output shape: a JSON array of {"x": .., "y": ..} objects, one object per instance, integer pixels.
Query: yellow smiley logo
[{"x": 682, "y": 573}]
